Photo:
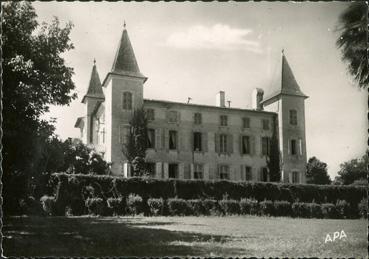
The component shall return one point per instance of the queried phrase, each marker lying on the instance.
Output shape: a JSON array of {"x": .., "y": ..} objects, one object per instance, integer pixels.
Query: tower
[
  {"x": 288, "y": 101},
  {"x": 123, "y": 90},
  {"x": 91, "y": 99}
]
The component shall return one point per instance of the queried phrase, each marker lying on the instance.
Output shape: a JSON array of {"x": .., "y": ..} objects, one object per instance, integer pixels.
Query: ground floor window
[
  {"x": 264, "y": 174},
  {"x": 151, "y": 169},
  {"x": 224, "y": 172},
  {"x": 295, "y": 177},
  {"x": 173, "y": 170},
  {"x": 248, "y": 173},
  {"x": 198, "y": 172}
]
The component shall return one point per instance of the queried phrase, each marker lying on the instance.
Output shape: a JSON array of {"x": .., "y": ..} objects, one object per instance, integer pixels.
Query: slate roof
[
  {"x": 284, "y": 82},
  {"x": 94, "y": 87}
]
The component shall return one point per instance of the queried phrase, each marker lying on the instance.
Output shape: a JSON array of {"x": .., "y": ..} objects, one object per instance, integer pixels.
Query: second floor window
[
  {"x": 150, "y": 138},
  {"x": 172, "y": 116},
  {"x": 198, "y": 172},
  {"x": 150, "y": 113},
  {"x": 223, "y": 142},
  {"x": 172, "y": 139},
  {"x": 265, "y": 124},
  {"x": 127, "y": 101},
  {"x": 265, "y": 146},
  {"x": 293, "y": 147},
  {"x": 293, "y": 117},
  {"x": 197, "y": 118},
  {"x": 246, "y": 123},
  {"x": 197, "y": 141},
  {"x": 245, "y": 145},
  {"x": 223, "y": 120}
]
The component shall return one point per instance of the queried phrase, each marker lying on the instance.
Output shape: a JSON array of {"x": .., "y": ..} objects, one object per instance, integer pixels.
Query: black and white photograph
[{"x": 184, "y": 129}]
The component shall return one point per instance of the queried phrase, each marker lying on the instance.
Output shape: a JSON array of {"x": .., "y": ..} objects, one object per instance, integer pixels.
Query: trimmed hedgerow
[
  {"x": 117, "y": 205},
  {"x": 363, "y": 208},
  {"x": 342, "y": 209},
  {"x": 301, "y": 210},
  {"x": 249, "y": 207},
  {"x": 282, "y": 208},
  {"x": 197, "y": 207},
  {"x": 156, "y": 206},
  {"x": 329, "y": 210},
  {"x": 47, "y": 203},
  {"x": 316, "y": 210},
  {"x": 134, "y": 204},
  {"x": 179, "y": 207},
  {"x": 95, "y": 206},
  {"x": 230, "y": 207},
  {"x": 211, "y": 207}
]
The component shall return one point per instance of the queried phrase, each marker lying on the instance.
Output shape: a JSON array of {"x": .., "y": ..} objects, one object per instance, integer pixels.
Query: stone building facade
[{"x": 193, "y": 141}]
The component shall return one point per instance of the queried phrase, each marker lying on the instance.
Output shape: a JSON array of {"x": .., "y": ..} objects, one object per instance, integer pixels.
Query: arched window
[
  {"x": 293, "y": 117},
  {"x": 127, "y": 101}
]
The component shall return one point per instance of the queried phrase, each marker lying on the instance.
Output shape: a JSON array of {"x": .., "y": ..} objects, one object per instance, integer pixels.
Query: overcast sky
[{"x": 196, "y": 49}]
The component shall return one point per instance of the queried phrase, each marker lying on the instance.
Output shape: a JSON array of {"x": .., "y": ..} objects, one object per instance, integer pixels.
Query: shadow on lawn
[{"x": 60, "y": 236}]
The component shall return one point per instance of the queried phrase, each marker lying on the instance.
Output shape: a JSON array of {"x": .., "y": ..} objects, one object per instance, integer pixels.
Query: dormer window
[{"x": 127, "y": 101}]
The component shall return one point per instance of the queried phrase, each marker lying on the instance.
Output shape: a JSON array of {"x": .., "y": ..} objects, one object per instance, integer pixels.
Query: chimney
[
  {"x": 220, "y": 99},
  {"x": 257, "y": 97}
]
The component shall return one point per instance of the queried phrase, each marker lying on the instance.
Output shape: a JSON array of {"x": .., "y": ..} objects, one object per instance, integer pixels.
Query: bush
[
  {"x": 249, "y": 206},
  {"x": 342, "y": 209},
  {"x": 329, "y": 210},
  {"x": 134, "y": 204},
  {"x": 197, "y": 207},
  {"x": 211, "y": 207},
  {"x": 363, "y": 208},
  {"x": 266, "y": 208},
  {"x": 230, "y": 207},
  {"x": 282, "y": 208},
  {"x": 31, "y": 206},
  {"x": 47, "y": 203},
  {"x": 156, "y": 206},
  {"x": 116, "y": 205},
  {"x": 179, "y": 207},
  {"x": 316, "y": 210},
  {"x": 95, "y": 206},
  {"x": 77, "y": 206},
  {"x": 301, "y": 210}
]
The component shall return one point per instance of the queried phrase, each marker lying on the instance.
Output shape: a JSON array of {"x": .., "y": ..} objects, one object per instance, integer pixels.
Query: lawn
[{"x": 182, "y": 236}]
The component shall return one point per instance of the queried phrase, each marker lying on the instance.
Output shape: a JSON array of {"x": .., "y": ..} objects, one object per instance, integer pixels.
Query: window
[
  {"x": 173, "y": 117},
  {"x": 293, "y": 147},
  {"x": 248, "y": 173},
  {"x": 264, "y": 174},
  {"x": 197, "y": 118},
  {"x": 173, "y": 170},
  {"x": 150, "y": 138},
  {"x": 246, "y": 123},
  {"x": 150, "y": 113},
  {"x": 245, "y": 145},
  {"x": 223, "y": 143},
  {"x": 123, "y": 134},
  {"x": 172, "y": 139},
  {"x": 265, "y": 146},
  {"x": 198, "y": 172},
  {"x": 265, "y": 124},
  {"x": 293, "y": 117},
  {"x": 150, "y": 167},
  {"x": 223, "y": 120},
  {"x": 127, "y": 101},
  {"x": 197, "y": 141},
  {"x": 224, "y": 172},
  {"x": 295, "y": 177}
]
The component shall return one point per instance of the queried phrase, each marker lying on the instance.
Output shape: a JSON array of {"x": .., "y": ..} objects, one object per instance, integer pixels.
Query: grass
[{"x": 182, "y": 236}]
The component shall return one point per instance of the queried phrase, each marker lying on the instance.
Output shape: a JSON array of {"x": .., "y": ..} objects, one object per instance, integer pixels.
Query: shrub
[
  {"x": 116, "y": 205},
  {"x": 329, "y": 210},
  {"x": 211, "y": 207},
  {"x": 197, "y": 207},
  {"x": 179, "y": 207},
  {"x": 95, "y": 206},
  {"x": 47, "y": 203},
  {"x": 156, "y": 206},
  {"x": 230, "y": 207},
  {"x": 363, "y": 208},
  {"x": 77, "y": 206},
  {"x": 134, "y": 204},
  {"x": 31, "y": 206},
  {"x": 282, "y": 208},
  {"x": 342, "y": 209},
  {"x": 266, "y": 208},
  {"x": 316, "y": 210},
  {"x": 301, "y": 209},
  {"x": 249, "y": 206}
]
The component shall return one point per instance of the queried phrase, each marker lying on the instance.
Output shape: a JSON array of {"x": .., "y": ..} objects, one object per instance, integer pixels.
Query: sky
[{"x": 197, "y": 49}]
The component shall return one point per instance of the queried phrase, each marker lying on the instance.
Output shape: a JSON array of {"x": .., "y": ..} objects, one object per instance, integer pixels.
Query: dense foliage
[
  {"x": 35, "y": 76},
  {"x": 274, "y": 159},
  {"x": 354, "y": 171},
  {"x": 353, "y": 41},
  {"x": 316, "y": 172}
]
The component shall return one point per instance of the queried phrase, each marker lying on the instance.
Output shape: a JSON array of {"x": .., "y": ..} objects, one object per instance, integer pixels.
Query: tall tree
[
  {"x": 316, "y": 172},
  {"x": 274, "y": 159},
  {"x": 353, "y": 41},
  {"x": 34, "y": 76},
  {"x": 134, "y": 149},
  {"x": 353, "y": 170}
]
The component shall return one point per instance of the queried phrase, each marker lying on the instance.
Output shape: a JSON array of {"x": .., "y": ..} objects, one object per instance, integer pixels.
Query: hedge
[{"x": 80, "y": 187}]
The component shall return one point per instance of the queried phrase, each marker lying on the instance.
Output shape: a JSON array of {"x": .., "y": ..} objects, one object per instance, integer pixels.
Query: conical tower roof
[
  {"x": 284, "y": 82},
  {"x": 94, "y": 87},
  {"x": 125, "y": 62}
]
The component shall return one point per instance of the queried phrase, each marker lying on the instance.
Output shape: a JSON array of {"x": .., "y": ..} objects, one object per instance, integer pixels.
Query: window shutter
[
  {"x": 206, "y": 171},
  {"x": 289, "y": 146},
  {"x": 204, "y": 138},
  {"x": 157, "y": 139},
  {"x": 158, "y": 170},
  {"x": 300, "y": 147},
  {"x": 230, "y": 144},
  {"x": 242, "y": 173},
  {"x": 192, "y": 171},
  {"x": 178, "y": 117},
  {"x": 253, "y": 146},
  {"x": 179, "y": 140},
  {"x": 166, "y": 139},
  {"x": 240, "y": 144},
  {"x": 217, "y": 143}
]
